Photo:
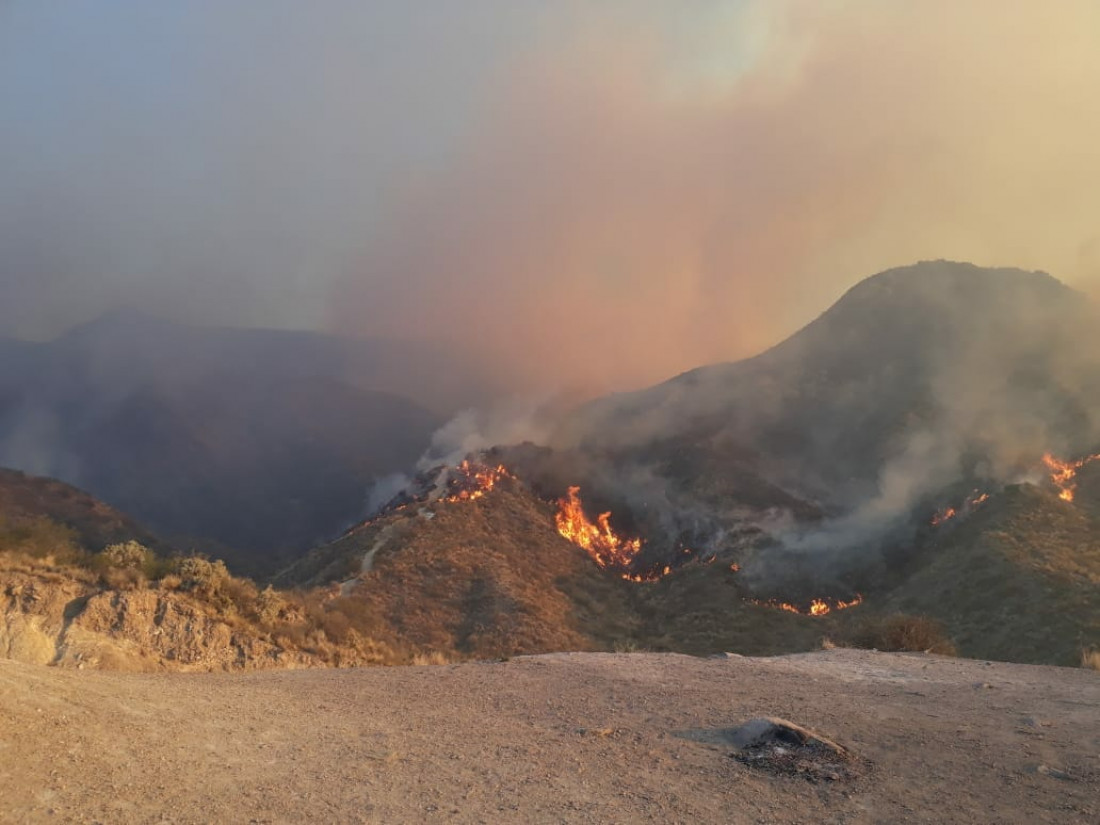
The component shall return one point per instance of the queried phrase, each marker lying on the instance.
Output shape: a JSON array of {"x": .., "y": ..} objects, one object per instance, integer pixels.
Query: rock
[{"x": 1053, "y": 773}]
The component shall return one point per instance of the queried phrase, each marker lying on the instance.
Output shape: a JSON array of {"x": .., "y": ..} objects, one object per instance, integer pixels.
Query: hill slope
[
  {"x": 1018, "y": 581},
  {"x": 916, "y": 378},
  {"x": 95, "y": 524}
]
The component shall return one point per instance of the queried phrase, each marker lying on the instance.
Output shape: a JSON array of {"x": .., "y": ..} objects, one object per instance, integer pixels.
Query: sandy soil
[{"x": 592, "y": 738}]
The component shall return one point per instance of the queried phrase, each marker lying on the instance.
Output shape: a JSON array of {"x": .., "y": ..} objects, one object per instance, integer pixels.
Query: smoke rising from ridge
[
  {"x": 630, "y": 209},
  {"x": 586, "y": 196}
]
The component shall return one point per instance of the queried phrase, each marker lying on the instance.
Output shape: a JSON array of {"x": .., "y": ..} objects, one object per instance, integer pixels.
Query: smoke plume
[{"x": 651, "y": 190}]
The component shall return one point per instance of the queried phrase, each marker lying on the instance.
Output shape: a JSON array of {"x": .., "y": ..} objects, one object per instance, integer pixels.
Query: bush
[
  {"x": 1090, "y": 658},
  {"x": 270, "y": 606},
  {"x": 132, "y": 557},
  {"x": 902, "y": 632},
  {"x": 205, "y": 578},
  {"x": 129, "y": 555}
]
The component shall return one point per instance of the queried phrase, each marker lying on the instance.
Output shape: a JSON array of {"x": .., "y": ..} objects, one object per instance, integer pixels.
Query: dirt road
[{"x": 589, "y": 738}]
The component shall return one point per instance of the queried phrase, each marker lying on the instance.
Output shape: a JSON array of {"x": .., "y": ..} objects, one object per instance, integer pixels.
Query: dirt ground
[{"x": 590, "y": 738}]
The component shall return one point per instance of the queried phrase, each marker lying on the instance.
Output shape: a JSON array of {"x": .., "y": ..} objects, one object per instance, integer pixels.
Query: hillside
[
  {"x": 917, "y": 379},
  {"x": 472, "y": 579},
  {"x": 24, "y": 497},
  {"x": 82, "y": 585},
  {"x": 1019, "y": 580}
]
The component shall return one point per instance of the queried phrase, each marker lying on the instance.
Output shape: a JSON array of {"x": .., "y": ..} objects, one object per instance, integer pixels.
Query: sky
[{"x": 587, "y": 196}]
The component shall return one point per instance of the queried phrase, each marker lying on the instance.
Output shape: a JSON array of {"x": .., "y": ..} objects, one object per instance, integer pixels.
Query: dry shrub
[
  {"x": 269, "y": 606},
  {"x": 130, "y": 554},
  {"x": 902, "y": 632},
  {"x": 337, "y": 626},
  {"x": 1090, "y": 658},
  {"x": 202, "y": 577}
]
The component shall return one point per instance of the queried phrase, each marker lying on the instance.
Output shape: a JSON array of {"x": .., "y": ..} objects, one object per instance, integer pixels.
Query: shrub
[
  {"x": 270, "y": 605},
  {"x": 902, "y": 632},
  {"x": 130, "y": 554},
  {"x": 1090, "y": 658},
  {"x": 205, "y": 578}
]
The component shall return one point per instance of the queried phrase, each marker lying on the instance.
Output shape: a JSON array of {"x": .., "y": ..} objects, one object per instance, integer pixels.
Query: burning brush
[
  {"x": 606, "y": 547},
  {"x": 471, "y": 480},
  {"x": 1063, "y": 474}
]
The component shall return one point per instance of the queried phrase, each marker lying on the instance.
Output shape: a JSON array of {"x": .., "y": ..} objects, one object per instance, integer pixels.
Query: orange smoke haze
[{"x": 653, "y": 190}]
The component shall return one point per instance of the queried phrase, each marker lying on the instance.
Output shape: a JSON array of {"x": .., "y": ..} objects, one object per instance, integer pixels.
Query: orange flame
[
  {"x": 476, "y": 480},
  {"x": 1063, "y": 474},
  {"x": 817, "y": 607},
  {"x": 948, "y": 513},
  {"x": 604, "y": 545}
]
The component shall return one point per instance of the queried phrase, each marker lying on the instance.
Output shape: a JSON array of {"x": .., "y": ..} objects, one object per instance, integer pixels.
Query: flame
[
  {"x": 607, "y": 548},
  {"x": 948, "y": 513},
  {"x": 816, "y": 607},
  {"x": 1063, "y": 474},
  {"x": 475, "y": 481}
]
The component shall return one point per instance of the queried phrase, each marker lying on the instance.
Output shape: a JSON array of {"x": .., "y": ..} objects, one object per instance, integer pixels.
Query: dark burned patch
[
  {"x": 810, "y": 761},
  {"x": 783, "y": 748}
]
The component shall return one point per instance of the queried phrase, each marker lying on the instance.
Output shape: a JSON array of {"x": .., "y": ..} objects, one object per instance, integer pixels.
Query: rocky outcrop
[{"x": 72, "y": 623}]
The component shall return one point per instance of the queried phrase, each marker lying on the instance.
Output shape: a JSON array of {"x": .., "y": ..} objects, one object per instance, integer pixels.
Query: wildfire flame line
[
  {"x": 816, "y": 607},
  {"x": 948, "y": 513}
]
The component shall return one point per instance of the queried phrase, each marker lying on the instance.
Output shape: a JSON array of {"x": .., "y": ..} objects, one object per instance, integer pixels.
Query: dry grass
[
  {"x": 1090, "y": 658},
  {"x": 900, "y": 632},
  {"x": 434, "y": 657}
]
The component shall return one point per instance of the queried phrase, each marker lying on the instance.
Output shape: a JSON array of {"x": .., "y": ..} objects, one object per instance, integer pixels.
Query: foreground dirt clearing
[{"x": 563, "y": 738}]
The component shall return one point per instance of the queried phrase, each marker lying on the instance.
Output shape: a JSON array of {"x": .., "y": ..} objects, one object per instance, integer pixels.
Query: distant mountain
[{"x": 252, "y": 443}]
